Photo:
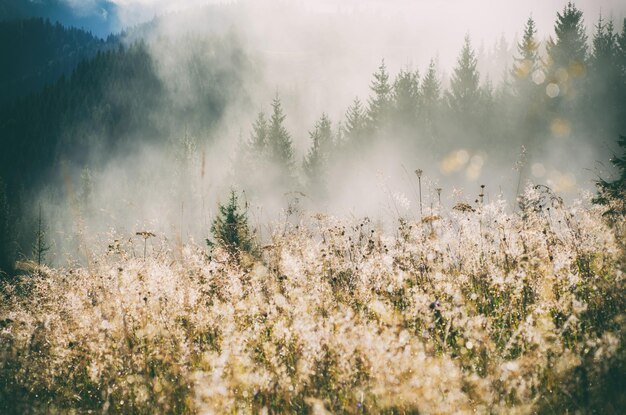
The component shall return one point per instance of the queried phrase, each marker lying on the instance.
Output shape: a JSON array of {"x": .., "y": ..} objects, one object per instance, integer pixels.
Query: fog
[{"x": 316, "y": 56}]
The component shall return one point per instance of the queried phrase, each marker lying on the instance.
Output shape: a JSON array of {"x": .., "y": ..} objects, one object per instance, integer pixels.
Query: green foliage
[
  {"x": 527, "y": 61},
  {"x": 355, "y": 124},
  {"x": 612, "y": 193},
  {"x": 379, "y": 104},
  {"x": 230, "y": 228},
  {"x": 464, "y": 94},
  {"x": 569, "y": 50},
  {"x": 6, "y": 252},
  {"x": 40, "y": 246},
  {"x": 430, "y": 93},
  {"x": 39, "y": 52},
  {"x": 406, "y": 99},
  {"x": 278, "y": 141},
  {"x": 316, "y": 162},
  {"x": 259, "y": 136}
]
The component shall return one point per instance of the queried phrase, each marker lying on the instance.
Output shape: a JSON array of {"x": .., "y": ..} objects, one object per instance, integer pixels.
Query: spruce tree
[
  {"x": 527, "y": 86},
  {"x": 258, "y": 137},
  {"x": 430, "y": 97},
  {"x": 6, "y": 252},
  {"x": 527, "y": 62},
  {"x": 621, "y": 53},
  {"x": 354, "y": 128},
  {"x": 406, "y": 99},
  {"x": 230, "y": 228},
  {"x": 612, "y": 193},
  {"x": 278, "y": 142},
  {"x": 316, "y": 161},
  {"x": 621, "y": 86},
  {"x": 603, "y": 94},
  {"x": 40, "y": 245},
  {"x": 464, "y": 94},
  {"x": 380, "y": 101},
  {"x": 567, "y": 53}
]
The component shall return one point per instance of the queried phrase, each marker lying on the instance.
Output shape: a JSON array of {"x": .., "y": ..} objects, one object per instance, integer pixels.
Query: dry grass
[{"x": 478, "y": 311}]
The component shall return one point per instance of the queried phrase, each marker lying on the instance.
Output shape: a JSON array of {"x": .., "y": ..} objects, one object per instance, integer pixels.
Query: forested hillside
[{"x": 37, "y": 52}]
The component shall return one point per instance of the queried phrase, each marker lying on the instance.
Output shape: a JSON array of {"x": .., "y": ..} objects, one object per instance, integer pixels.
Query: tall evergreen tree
[
  {"x": 381, "y": 99},
  {"x": 567, "y": 53},
  {"x": 621, "y": 64},
  {"x": 6, "y": 251},
  {"x": 278, "y": 141},
  {"x": 621, "y": 53},
  {"x": 527, "y": 62},
  {"x": 40, "y": 245},
  {"x": 464, "y": 94},
  {"x": 528, "y": 88},
  {"x": 355, "y": 125},
  {"x": 315, "y": 163},
  {"x": 431, "y": 96},
  {"x": 603, "y": 94},
  {"x": 612, "y": 193},
  {"x": 258, "y": 137},
  {"x": 406, "y": 99}
]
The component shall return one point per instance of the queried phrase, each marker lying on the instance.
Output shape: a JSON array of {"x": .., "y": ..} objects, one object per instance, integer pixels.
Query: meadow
[{"x": 476, "y": 309}]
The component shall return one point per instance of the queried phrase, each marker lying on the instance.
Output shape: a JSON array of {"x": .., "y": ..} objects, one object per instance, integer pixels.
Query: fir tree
[
  {"x": 316, "y": 161},
  {"x": 567, "y": 54},
  {"x": 612, "y": 193},
  {"x": 621, "y": 54},
  {"x": 406, "y": 98},
  {"x": 380, "y": 101},
  {"x": 528, "y": 62},
  {"x": 430, "y": 96},
  {"x": 603, "y": 94},
  {"x": 258, "y": 137},
  {"x": 464, "y": 94},
  {"x": 6, "y": 254},
  {"x": 354, "y": 128},
  {"x": 40, "y": 245},
  {"x": 230, "y": 228},
  {"x": 278, "y": 142}
]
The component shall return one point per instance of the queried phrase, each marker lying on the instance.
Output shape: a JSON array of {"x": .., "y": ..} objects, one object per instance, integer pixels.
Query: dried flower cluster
[{"x": 472, "y": 310}]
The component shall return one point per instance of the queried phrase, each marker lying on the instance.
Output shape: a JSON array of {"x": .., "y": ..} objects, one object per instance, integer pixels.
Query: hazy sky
[{"x": 485, "y": 18}]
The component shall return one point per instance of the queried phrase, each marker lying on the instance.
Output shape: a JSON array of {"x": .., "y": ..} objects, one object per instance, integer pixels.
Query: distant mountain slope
[
  {"x": 117, "y": 98},
  {"x": 37, "y": 53},
  {"x": 98, "y": 17}
]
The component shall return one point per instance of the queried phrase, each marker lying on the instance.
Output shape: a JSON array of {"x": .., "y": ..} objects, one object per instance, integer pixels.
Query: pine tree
[
  {"x": 613, "y": 193},
  {"x": 230, "y": 228},
  {"x": 316, "y": 161},
  {"x": 567, "y": 54},
  {"x": 6, "y": 254},
  {"x": 464, "y": 94},
  {"x": 621, "y": 85},
  {"x": 431, "y": 96},
  {"x": 380, "y": 101},
  {"x": 40, "y": 245},
  {"x": 259, "y": 136},
  {"x": 278, "y": 142},
  {"x": 527, "y": 63},
  {"x": 354, "y": 128},
  {"x": 603, "y": 94},
  {"x": 406, "y": 98},
  {"x": 621, "y": 54}
]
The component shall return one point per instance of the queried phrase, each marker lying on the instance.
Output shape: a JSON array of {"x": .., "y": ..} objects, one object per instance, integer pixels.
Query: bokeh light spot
[
  {"x": 552, "y": 90},
  {"x": 539, "y": 77},
  {"x": 560, "y": 127}
]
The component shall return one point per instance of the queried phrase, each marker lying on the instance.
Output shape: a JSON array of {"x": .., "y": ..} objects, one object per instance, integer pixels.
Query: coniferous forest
[{"x": 219, "y": 209}]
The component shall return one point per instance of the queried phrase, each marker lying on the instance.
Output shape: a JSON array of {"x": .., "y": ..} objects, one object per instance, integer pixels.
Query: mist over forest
[
  {"x": 336, "y": 107},
  {"x": 152, "y": 129}
]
